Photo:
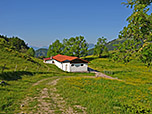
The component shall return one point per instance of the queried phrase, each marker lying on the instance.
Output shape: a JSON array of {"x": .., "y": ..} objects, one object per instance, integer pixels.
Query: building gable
[
  {"x": 68, "y": 63},
  {"x": 78, "y": 60}
]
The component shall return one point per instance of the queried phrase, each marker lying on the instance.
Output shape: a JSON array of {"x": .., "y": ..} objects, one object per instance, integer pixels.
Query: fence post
[
  {"x": 3, "y": 68},
  {"x": 37, "y": 68},
  {"x": 25, "y": 68},
  {"x": 15, "y": 67},
  {"x": 48, "y": 69}
]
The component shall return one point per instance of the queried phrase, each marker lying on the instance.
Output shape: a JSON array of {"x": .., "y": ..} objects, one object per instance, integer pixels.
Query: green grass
[
  {"x": 135, "y": 71},
  {"x": 105, "y": 96},
  {"x": 131, "y": 95},
  {"x": 16, "y": 61},
  {"x": 20, "y": 73},
  {"x": 11, "y": 94}
]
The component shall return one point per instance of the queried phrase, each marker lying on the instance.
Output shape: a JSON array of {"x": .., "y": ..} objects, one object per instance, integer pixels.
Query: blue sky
[{"x": 41, "y": 22}]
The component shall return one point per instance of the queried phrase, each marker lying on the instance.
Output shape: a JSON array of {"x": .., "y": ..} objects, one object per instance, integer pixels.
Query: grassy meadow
[
  {"x": 134, "y": 72},
  {"x": 20, "y": 73},
  {"x": 131, "y": 94}
]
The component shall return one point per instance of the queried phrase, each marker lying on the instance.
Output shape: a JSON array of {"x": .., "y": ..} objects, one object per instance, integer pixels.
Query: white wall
[
  {"x": 78, "y": 68},
  {"x": 68, "y": 66},
  {"x": 58, "y": 64},
  {"x": 49, "y": 61}
]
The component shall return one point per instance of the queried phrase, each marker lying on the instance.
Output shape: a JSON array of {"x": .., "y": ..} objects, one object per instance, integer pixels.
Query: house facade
[{"x": 68, "y": 63}]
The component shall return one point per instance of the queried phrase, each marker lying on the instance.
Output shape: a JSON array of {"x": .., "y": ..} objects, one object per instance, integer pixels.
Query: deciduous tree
[
  {"x": 55, "y": 48},
  {"x": 75, "y": 46},
  {"x": 138, "y": 30},
  {"x": 146, "y": 54},
  {"x": 100, "y": 46},
  {"x": 31, "y": 52}
]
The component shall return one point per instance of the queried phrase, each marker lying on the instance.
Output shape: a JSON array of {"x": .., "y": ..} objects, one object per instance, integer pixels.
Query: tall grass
[
  {"x": 135, "y": 71},
  {"x": 131, "y": 95},
  {"x": 106, "y": 96},
  {"x": 20, "y": 73}
]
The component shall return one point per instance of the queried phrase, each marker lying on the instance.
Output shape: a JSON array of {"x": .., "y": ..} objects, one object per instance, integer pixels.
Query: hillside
[
  {"x": 90, "y": 46},
  {"x": 130, "y": 93},
  {"x": 14, "y": 43},
  {"x": 19, "y": 62},
  {"x": 19, "y": 72},
  {"x": 42, "y": 52},
  {"x": 34, "y": 87},
  {"x": 109, "y": 45}
]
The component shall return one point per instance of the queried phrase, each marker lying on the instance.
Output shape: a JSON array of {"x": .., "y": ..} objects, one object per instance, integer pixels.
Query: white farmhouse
[{"x": 68, "y": 63}]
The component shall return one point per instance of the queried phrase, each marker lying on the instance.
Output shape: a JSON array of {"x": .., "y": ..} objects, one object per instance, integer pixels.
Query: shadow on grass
[
  {"x": 13, "y": 75},
  {"x": 121, "y": 72},
  {"x": 104, "y": 56},
  {"x": 5, "y": 89},
  {"x": 90, "y": 58},
  {"x": 1, "y": 67},
  {"x": 18, "y": 75},
  {"x": 92, "y": 70}
]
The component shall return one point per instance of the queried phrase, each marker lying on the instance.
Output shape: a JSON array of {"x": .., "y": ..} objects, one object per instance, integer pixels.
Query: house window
[
  {"x": 77, "y": 65},
  {"x": 72, "y": 65},
  {"x": 81, "y": 64}
]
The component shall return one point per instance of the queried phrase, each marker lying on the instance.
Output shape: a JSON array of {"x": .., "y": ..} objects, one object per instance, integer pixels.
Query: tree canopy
[
  {"x": 100, "y": 46},
  {"x": 146, "y": 54},
  {"x": 137, "y": 2},
  {"x": 75, "y": 46},
  {"x": 14, "y": 43},
  {"x": 138, "y": 32},
  {"x": 55, "y": 48},
  {"x": 31, "y": 52}
]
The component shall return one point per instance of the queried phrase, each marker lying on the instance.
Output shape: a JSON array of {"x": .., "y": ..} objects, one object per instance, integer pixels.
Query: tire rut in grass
[{"x": 50, "y": 102}]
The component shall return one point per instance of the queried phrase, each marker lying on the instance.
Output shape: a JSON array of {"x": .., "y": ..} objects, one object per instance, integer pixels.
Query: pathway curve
[
  {"x": 99, "y": 74},
  {"x": 49, "y": 101}
]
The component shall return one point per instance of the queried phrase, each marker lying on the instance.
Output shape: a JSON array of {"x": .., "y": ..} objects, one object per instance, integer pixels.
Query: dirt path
[
  {"x": 37, "y": 83},
  {"x": 50, "y": 102},
  {"x": 99, "y": 74}
]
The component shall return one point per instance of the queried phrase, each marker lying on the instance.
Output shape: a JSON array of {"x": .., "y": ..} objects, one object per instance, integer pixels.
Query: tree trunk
[
  {"x": 3, "y": 68},
  {"x": 99, "y": 55}
]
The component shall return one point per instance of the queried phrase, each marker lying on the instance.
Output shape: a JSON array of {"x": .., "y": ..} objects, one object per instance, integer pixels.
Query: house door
[{"x": 66, "y": 67}]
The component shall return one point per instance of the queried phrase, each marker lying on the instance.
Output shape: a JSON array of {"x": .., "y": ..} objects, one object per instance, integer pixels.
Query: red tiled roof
[
  {"x": 62, "y": 58},
  {"x": 84, "y": 60},
  {"x": 46, "y": 59}
]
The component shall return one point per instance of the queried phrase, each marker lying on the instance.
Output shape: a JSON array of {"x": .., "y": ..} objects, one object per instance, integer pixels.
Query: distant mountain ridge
[
  {"x": 42, "y": 52},
  {"x": 109, "y": 45},
  {"x": 91, "y": 45},
  {"x": 36, "y": 48}
]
